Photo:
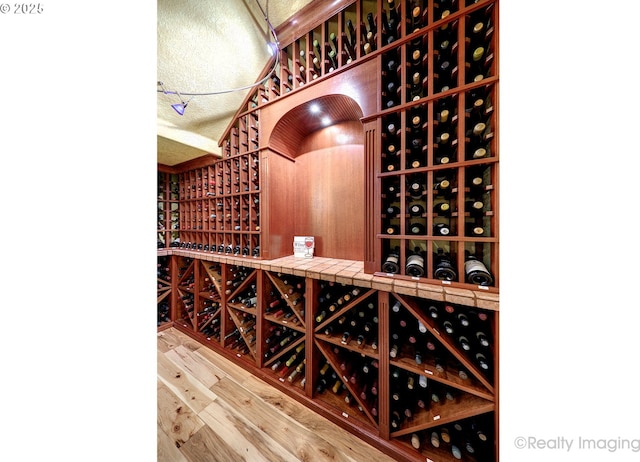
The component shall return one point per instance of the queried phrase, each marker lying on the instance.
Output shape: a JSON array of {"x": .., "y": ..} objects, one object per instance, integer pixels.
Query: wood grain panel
[
  {"x": 175, "y": 420},
  {"x": 330, "y": 200},
  {"x": 241, "y": 433},
  {"x": 346, "y": 443},
  {"x": 247, "y": 420},
  {"x": 358, "y": 84},
  {"x": 166, "y": 449},
  {"x": 303, "y": 443},
  {"x": 170, "y": 339},
  {"x": 223, "y": 368},
  {"x": 207, "y": 446},
  {"x": 307, "y": 118},
  {"x": 183, "y": 384},
  {"x": 195, "y": 365}
]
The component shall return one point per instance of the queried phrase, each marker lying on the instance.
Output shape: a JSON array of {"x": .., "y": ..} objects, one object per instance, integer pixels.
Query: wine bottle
[
  {"x": 443, "y": 268},
  {"x": 415, "y": 263},
  {"x": 390, "y": 264},
  {"x": 444, "y": 151},
  {"x": 416, "y": 18},
  {"x": 417, "y": 228},
  {"x": 442, "y": 208},
  {"x": 475, "y": 208},
  {"x": 391, "y": 187},
  {"x": 416, "y": 187},
  {"x": 417, "y": 86},
  {"x": 392, "y": 211},
  {"x": 441, "y": 229},
  {"x": 352, "y": 34},
  {"x": 392, "y": 229},
  {"x": 415, "y": 210},
  {"x": 476, "y": 272}
]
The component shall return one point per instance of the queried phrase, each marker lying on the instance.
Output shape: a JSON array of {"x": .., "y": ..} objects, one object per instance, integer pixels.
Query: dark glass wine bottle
[
  {"x": 443, "y": 267},
  {"x": 415, "y": 187},
  {"x": 442, "y": 208},
  {"x": 476, "y": 272},
  {"x": 415, "y": 263},
  {"x": 416, "y": 228},
  {"x": 391, "y": 263},
  {"x": 416, "y": 209}
]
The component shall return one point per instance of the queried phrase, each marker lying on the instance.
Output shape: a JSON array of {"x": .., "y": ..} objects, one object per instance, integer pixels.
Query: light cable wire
[{"x": 246, "y": 87}]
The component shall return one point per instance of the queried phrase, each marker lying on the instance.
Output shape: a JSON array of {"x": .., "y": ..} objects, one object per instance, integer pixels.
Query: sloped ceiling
[{"x": 209, "y": 47}]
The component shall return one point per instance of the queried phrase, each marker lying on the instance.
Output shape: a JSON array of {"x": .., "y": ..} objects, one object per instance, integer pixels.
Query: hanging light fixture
[
  {"x": 273, "y": 48},
  {"x": 178, "y": 107}
]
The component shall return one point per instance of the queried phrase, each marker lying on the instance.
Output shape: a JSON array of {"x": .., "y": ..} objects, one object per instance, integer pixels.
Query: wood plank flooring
[{"x": 210, "y": 409}]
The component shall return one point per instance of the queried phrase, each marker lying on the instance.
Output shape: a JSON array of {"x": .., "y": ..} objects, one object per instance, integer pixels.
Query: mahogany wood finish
[
  {"x": 328, "y": 182},
  {"x": 477, "y": 395}
]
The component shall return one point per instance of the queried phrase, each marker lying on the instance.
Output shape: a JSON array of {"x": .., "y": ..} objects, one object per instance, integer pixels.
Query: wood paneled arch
[{"x": 289, "y": 133}]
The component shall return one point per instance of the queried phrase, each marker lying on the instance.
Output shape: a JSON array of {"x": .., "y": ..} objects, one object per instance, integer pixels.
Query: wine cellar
[{"x": 378, "y": 135}]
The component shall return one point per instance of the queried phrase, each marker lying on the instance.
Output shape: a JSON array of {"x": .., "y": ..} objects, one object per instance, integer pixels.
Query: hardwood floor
[{"x": 210, "y": 409}]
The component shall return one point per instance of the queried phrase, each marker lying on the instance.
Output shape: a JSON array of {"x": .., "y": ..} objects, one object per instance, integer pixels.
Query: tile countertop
[{"x": 352, "y": 272}]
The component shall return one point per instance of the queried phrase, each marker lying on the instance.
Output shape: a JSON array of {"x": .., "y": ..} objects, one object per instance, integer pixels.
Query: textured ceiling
[{"x": 207, "y": 47}]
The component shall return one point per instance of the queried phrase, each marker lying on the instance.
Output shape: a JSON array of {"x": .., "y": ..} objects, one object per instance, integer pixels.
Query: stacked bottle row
[
  {"x": 364, "y": 27},
  {"x": 440, "y": 367},
  {"x": 457, "y": 50},
  {"x": 243, "y": 136},
  {"x": 218, "y": 208},
  {"x": 284, "y": 350},
  {"x": 168, "y": 205},
  {"x": 164, "y": 290},
  {"x": 199, "y": 300},
  {"x": 438, "y": 156},
  {"x": 438, "y": 357}
]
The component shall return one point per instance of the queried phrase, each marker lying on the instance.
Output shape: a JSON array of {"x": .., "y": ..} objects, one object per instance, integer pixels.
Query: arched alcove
[{"x": 326, "y": 139}]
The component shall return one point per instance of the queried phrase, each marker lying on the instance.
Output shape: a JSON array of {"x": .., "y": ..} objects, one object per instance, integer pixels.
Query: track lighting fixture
[{"x": 178, "y": 107}]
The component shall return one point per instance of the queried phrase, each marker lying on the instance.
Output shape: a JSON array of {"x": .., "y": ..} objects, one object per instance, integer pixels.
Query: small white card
[{"x": 303, "y": 246}]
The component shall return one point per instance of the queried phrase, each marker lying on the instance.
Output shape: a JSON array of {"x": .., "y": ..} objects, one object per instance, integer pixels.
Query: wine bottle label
[{"x": 474, "y": 265}]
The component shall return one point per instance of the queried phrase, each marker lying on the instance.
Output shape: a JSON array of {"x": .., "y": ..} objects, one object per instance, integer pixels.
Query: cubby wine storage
[{"x": 376, "y": 131}]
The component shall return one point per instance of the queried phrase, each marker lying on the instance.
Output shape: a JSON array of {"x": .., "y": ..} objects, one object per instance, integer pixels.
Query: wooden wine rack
[
  {"x": 227, "y": 224},
  {"x": 276, "y": 319}
]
